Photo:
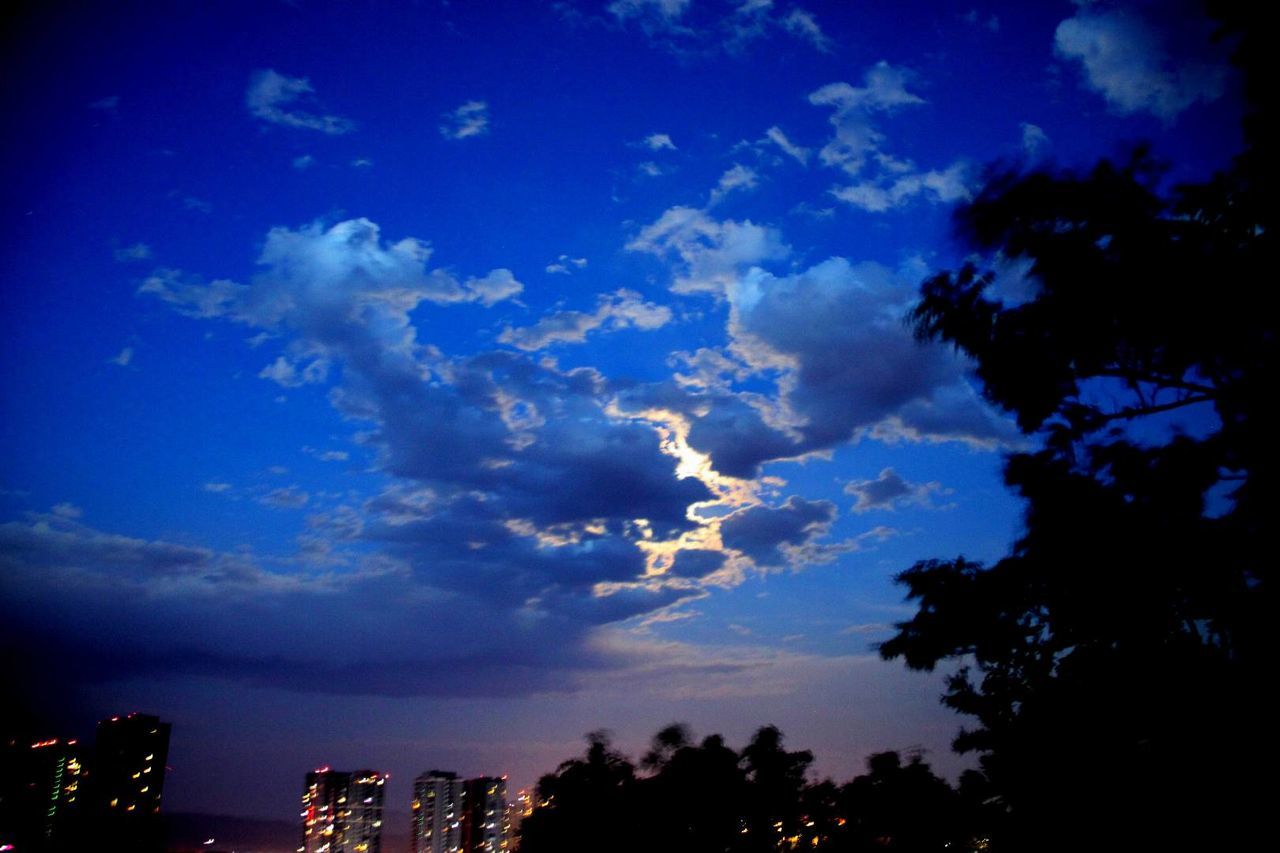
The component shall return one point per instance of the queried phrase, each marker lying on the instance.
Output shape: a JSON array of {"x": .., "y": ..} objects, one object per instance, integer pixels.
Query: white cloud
[
  {"x": 713, "y": 253},
  {"x": 802, "y": 24},
  {"x": 858, "y": 147},
  {"x": 856, "y": 137},
  {"x": 623, "y": 309},
  {"x": 306, "y": 161},
  {"x": 312, "y": 268},
  {"x": 944, "y": 186},
  {"x": 286, "y": 373},
  {"x": 1034, "y": 139},
  {"x": 738, "y": 177},
  {"x": 289, "y": 497},
  {"x": 1125, "y": 61},
  {"x": 668, "y": 11},
  {"x": 470, "y": 119},
  {"x": 778, "y": 138},
  {"x": 276, "y": 99},
  {"x": 496, "y": 286},
  {"x": 122, "y": 360},
  {"x": 564, "y": 264},
  {"x": 136, "y": 252},
  {"x": 659, "y": 141}
]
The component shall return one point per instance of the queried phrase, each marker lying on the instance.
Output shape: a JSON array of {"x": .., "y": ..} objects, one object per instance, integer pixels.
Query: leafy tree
[
  {"x": 588, "y": 804},
  {"x": 903, "y": 808},
  {"x": 1114, "y": 660}
]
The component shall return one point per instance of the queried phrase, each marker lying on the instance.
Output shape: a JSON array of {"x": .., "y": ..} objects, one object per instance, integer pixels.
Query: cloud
[
  {"x": 1125, "y": 61},
  {"x": 564, "y": 264},
  {"x": 697, "y": 563},
  {"x": 890, "y": 192},
  {"x": 290, "y": 497},
  {"x": 306, "y": 161},
  {"x": 843, "y": 365},
  {"x": 1034, "y": 140},
  {"x": 623, "y": 309},
  {"x": 659, "y": 141},
  {"x": 123, "y": 358},
  {"x": 514, "y": 488},
  {"x": 316, "y": 269},
  {"x": 778, "y": 138},
  {"x": 276, "y": 99},
  {"x": 217, "y": 488},
  {"x": 890, "y": 490},
  {"x": 738, "y": 177},
  {"x": 773, "y": 536},
  {"x": 91, "y": 606},
  {"x": 470, "y": 119},
  {"x": 885, "y": 182},
  {"x": 712, "y": 253},
  {"x": 286, "y": 373},
  {"x": 109, "y": 104},
  {"x": 136, "y": 252},
  {"x": 803, "y": 25},
  {"x": 649, "y": 12}
]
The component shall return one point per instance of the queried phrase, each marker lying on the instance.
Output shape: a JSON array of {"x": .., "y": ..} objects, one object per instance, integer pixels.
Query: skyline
[{"x": 411, "y": 387}]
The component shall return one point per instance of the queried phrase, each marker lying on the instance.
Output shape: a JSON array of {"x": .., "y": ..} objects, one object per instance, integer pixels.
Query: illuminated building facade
[
  {"x": 485, "y": 826},
  {"x": 517, "y": 810},
  {"x": 438, "y": 800},
  {"x": 342, "y": 812}
]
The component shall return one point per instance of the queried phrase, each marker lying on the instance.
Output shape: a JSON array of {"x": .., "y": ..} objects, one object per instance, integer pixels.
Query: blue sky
[{"x": 417, "y": 385}]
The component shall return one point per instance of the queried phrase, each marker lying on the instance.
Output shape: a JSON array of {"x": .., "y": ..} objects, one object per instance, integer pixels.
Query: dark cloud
[
  {"x": 696, "y": 563},
  {"x": 763, "y": 532},
  {"x": 889, "y": 489}
]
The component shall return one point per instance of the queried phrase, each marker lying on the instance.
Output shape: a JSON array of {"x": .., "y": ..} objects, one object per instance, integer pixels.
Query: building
[
  {"x": 42, "y": 794},
  {"x": 127, "y": 779},
  {"x": 342, "y": 812},
  {"x": 438, "y": 799},
  {"x": 517, "y": 810},
  {"x": 364, "y": 812},
  {"x": 485, "y": 825}
]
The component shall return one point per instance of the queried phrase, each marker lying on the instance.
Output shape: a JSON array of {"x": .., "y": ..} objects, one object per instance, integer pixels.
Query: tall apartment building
[
  {"x": 129, "y": 763},
  {"x": 42, "y": 794},
  {"x": 126, "y": 779},
  {"x": 438, "y": 801},
  {"x": 485, "y": 824},
  {"x": 451, "y": 815},
  {"x": 342, "y": 812}
]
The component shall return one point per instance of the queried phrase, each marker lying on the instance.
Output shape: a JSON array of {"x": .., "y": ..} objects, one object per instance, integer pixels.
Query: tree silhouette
[
  {"x": 1114, "y": 660},
  {"x": 588, "y": 804}
]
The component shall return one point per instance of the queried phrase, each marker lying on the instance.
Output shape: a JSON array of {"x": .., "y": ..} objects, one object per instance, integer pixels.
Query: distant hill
[{"x": 189, "y": 830}]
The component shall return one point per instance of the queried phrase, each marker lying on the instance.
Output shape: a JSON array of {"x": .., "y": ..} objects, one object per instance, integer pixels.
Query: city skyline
[{"x": 430, "y": 385}]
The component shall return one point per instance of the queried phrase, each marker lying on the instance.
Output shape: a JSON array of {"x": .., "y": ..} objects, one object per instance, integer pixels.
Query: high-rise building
[
  {"x": 42, "y": 794},
  {"x": 485, "y": 826},
  {"x": 128, "y": 780},
  {"x": 364, "y": 809},
  {"x": 438, "y": 801},
  {"x": 517, "y": 810},
  {"x": 342, "y": 812}
]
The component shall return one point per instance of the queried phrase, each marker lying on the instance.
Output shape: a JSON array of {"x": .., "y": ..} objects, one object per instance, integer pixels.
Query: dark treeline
[
  {"x": 1114, "y": 666},
  {"x": 707, "y": 797}
]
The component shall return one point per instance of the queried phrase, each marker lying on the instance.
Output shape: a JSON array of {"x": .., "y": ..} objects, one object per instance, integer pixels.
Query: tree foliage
[
  {"x": 707, "y": 798},
  {"x": 1114, "y": 660}
]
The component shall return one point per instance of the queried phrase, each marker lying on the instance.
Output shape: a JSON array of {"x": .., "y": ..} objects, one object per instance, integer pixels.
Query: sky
[{"x": 424, "y": 385}]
